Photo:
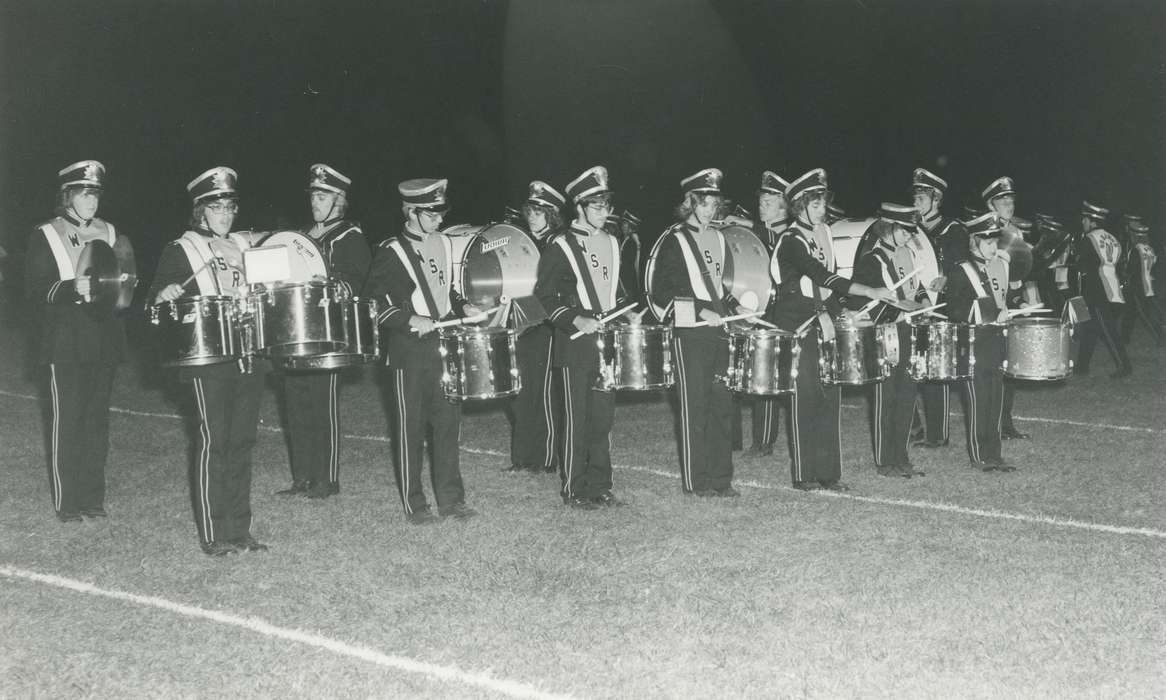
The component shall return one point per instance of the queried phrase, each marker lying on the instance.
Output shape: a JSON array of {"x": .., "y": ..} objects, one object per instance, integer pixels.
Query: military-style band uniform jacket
[
  {"x": 690, "y": 263},
  {"x": 345, "y": 250},
  {"x": 805, "y": 279}
]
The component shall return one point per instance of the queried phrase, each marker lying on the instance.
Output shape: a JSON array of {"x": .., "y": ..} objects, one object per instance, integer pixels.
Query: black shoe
[
  {"x": 1000, "y": 465},
  {"x": 607, "y": 499},
  {"x": 835, "y": 485},
  {"x": 759, "y": 451},
  {"x": 1011, "y": 433},
  {"x": 458, "y": 511},
  {"x": 249, "y": 544},
  {"x": 931, "y": 445},
  {"x": 298, "y": 488},
  {"x": 95, "y": 512},
  {"x": 324, "y": 489},
  {"x": 551, "y": 469},
  {"x": 807, "y": 486},
  {"x": 69, "y": 517},
  {"x": 1122, "y": 372},
  {"x": 422, "y": 516},
  {"x": 219, "y": 549},
  {"x": 516, "y": 468},
  {"x": 892, "y": 471},
  {"x": 579, "y": 503},
  {"x": 983, "y": 466},
  {"x": 703, "y": 493},
  {"x": 908, "y": 470}
]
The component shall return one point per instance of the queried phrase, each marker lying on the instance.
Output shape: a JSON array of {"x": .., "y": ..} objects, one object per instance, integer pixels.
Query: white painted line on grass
[
  {"x": 1057, "y": 421},
  {"x": 905, "y": 503},
  {"x": 509, "y": 688}
]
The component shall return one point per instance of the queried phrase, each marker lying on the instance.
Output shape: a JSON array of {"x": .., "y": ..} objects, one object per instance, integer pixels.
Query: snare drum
[
  {"x": 762, "y": 361},
  {"x": 197, "y": 330},
  {"x": 942, "y": 350},
  {"x": 856, "y": 356},
  {"x": 479, "y": 363},
  {"x": 297, "y": 319},
  {"x": 362, "y": 336},
  {"x": 1038, "y": 349},
  {"x": 635, "y": 358}
]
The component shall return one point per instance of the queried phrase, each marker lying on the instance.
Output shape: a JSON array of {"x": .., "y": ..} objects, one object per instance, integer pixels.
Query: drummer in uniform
[
  {"x": 80, "y": 338},
  {"x": 885, "y": 265},
  {"x": 1098, "y": 255},
  {"x": 773, "y": 220},
  {"x": 226, "y": 394},
  {"x": 806, "y": 282},
  {"x": 534, "y": 440},
  {"x": 976, "y": 294},
  {"x": 1138, "y": 277},
  {"x": 631, "y": 251},
  {"x": 1050, "y": 258},
  {"x": 412, "y": 274},
  {"x": 313, "y": 411}
]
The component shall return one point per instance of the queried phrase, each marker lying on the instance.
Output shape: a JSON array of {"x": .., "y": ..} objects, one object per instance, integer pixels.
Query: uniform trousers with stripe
[
  {"x": 766, "y": 414},
  {"x": 815, "y": 422},
  {"x": 894, "y": 408},
  {"x": 700, "y": 356},
  {"x": 228, "y": 415},
  {"x": 1144, "y": 308},
  {"x": 420, "y": 407},
  {"x": 936, "y": 398},
  {"x": 984, "y": 396},
  {"x": 1103, "y": 324},
  {"x": 313, "y": 421},
  {"x": 534, "y": 435},
  {"x": 587, "y": 418},
  {"x": 79, "y": 436}
]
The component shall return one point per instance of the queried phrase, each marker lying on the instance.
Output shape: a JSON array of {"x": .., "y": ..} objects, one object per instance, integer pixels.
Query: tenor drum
[
  {"x": 197, "y": 331},
  {"x": 856, "y": 356},
  {"x": 362, "y": 338},
  {"x": 297, "y": 319},
  {"x": 499, "y": 261},
  {"x": 1038, "y": 349},
  {"x": 635, "y": 358},
  {"x": 942, "y": 350},
  {"x": 762, "y": 361},
  {"x": 479, "y": 363}
]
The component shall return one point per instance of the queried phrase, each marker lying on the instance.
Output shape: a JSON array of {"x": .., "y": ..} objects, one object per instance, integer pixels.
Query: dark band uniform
[
  {"x": 313, "y": 411},
  {"x": 767, "y": 409},
  {"x": 578, "y": 276},
  {"x": 1138, "y": 279},
  {"x": 226, "y": 397},
  {"x": 82, "y": 343},
  {"x": 1050, "y": 262},
  {"x": 1098, "y": 255},
  {"x": 690, "y": 264},
  {"x": 803, "y": 271},
  {"x": 412, "y": 275}
]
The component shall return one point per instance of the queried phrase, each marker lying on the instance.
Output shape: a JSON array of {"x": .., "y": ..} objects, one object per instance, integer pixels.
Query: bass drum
[
  {"x": 847, "y": 235},
  {"x": 460, "y": 236},
  {"x": 501, "y": 260}
]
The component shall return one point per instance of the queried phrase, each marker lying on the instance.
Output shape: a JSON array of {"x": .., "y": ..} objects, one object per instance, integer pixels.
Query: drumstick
[
  {"x": 1029, "y": 310},
  {"x": 763, "y": 322},
  {"x": 726, "y": 319},
  {"x": 196, "y": 273},
  {"x": 480, "y": 316},
  {"x": 925, "y": 310},
  {"x": 604, "y": 319},
  {"x": 802, "y": 328},
  {"x": 904, "y": 279}
]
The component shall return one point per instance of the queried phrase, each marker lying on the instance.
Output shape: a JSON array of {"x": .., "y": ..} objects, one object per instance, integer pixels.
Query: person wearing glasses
[
  {"x": 578, "y": 282},
  {"x": 412, "y": 276},
  {"x": 82, "y": 341},
  {"x": 313, "y": 412},
  {"x": 226, "y": 395}
]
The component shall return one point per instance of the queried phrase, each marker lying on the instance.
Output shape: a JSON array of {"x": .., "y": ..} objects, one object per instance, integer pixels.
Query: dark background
[{"x": 1069, "y": 98}]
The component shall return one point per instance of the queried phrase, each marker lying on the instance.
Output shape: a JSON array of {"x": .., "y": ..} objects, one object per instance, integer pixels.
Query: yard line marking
[
  {"x": 452, "y": 674},
  {"x": 905, "y": 503}
]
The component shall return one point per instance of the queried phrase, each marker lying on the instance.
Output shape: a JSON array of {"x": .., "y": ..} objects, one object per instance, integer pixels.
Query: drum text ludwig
[
  {"x": 297, "y": 319},
  {"x": 634, "y": 358},
  {"x": 1038, "y": 349},
  {"x": 855, "y": 356},
  {"x": 763, "y": 361},
  {"x": 362, "y": 340},
  {"x": 942, "y": 350},
  {"x": 195, "y": 331},
  {"x": 479, "y": 363}
]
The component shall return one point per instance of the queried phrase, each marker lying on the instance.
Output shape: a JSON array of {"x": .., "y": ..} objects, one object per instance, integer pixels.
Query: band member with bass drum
[{"x": 1098, "y": 256}]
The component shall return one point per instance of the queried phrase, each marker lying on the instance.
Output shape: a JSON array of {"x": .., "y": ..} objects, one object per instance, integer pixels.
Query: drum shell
[
  {"x": 362, "y": 337},
  {"x": 197, "y": 331},
  {"x": 635, "y": 358},
  {"x": 479, "y": 363},
  {"x": 298, "y": 319},
  {"x": 499, "y": 261},
  {"x": 856, "y": 356},
  {"x": 763, "y": 362},
  {"x": 942, "y": 351},
  {"x": 1038, "y": 349}
]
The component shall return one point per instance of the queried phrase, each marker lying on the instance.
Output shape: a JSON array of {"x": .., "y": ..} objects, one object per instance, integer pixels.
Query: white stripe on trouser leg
[
  {"x": 973, "y": 437},
  {"x": 878, "y": 425},
  {"x": 1000, "y": 410},
  {"x": 402, "y": 441},
  {"x": 946, "y": 410},
  {"x": 548, "y": 412},
  {"x": 838, "y": 423},
  {"x": 797, "y": 436},
  {"x": 334, "y": 431},
  {"x": 203, "y": 481},
  {"x": 56, "y": 437},
  {"x": 569, "y": 438},
  {"x": 685, "y": 438}
]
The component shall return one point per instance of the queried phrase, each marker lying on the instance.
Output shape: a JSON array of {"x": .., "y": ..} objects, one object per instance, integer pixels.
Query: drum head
[
  {"x": 460, "y": 236},
  {"x": 99, "y": 263},
  {"x": 1019, "y": 254},
  {"x": 501, "y": 260},
  {"x": 304, "y": 257},
  {"x": 746, "y": 268}
]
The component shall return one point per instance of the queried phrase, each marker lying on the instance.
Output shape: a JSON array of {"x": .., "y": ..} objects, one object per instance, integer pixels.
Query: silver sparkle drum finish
[
  {"x": 197, "y": 331},
  {"x": 1038, "y": 349},
  {"x": 762, "y": 361},
  {"x": 499, "y": 261},
  {"x": 942, "y": 350},
  {"x": 635, "y": 358},
  {"x": 479, "y": 363},
  {"x": 297, "y": 319},
  {"x": 856, "y": 356},
  {"x": 362, "y": 340}
]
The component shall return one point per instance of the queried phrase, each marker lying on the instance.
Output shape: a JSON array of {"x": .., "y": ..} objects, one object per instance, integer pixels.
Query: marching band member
[
  {"x": 630, "y": 253},
  {"x": 1051, "y": 261},
  {"x": 884, "y": 265},
  {"x": 690, "y": 264},
  {"x": 803, "y": 271},
  {"x": 578, "y": 281},
  {"x": 533, "y": 440},
  {"x": 313, "y": 412},
  {"x": 1139, "y": 262},
  {"x": 81, "y": 341},
  {"x": 773, "y": 220},
  {"x": 976, "y": 294},
  {"x": 1099, "y": 253},
  {"x": 412, "y": 274},
  {"x": 226, "y": 395}
]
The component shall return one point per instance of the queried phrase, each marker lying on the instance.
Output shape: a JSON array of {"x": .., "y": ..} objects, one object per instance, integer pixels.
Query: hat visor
[
  {"x": 324, "y": 188},
  {"x": 213, "y": 196},
  {"x": 87, "y": 184}
]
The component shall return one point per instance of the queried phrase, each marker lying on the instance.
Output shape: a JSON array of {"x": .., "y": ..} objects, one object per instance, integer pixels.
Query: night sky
[{"x": 1069, "y": 98}]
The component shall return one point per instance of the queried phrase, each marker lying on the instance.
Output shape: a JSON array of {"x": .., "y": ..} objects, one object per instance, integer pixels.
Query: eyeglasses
[
  {"x": 600, "y": 206},
  {"x": 223, "y": 207},
  {"x": 431, "y": 214}
]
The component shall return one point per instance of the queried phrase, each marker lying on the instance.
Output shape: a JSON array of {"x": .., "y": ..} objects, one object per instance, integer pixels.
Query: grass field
[{"x": 1044, "y": 583}]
